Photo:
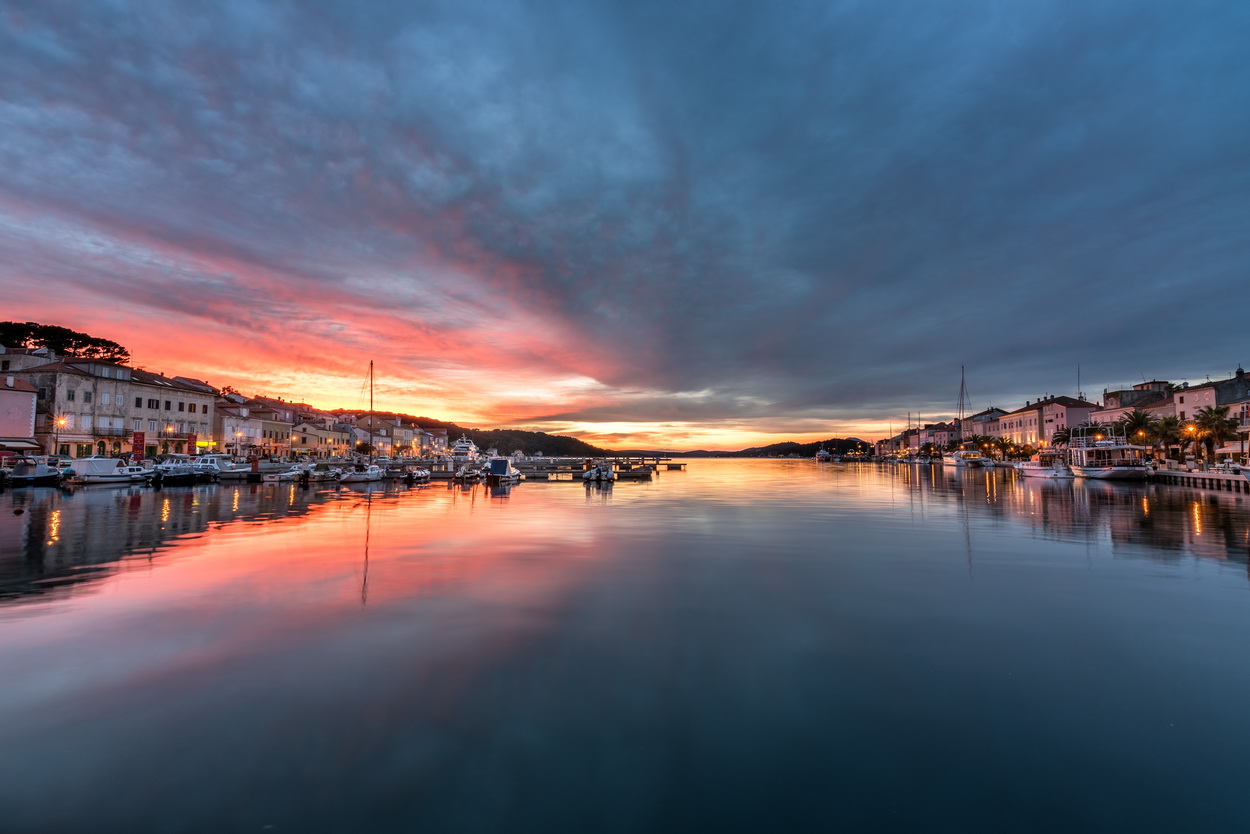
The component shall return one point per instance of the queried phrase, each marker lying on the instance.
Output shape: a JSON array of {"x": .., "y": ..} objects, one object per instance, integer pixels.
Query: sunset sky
[{"x": 659, "y": 224}]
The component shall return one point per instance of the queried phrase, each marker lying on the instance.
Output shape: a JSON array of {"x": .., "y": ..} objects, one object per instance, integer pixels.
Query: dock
[{"x": 1225, "y": 481}]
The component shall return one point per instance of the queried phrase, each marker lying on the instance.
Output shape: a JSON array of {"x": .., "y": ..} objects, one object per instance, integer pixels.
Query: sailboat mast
[{"x": 371, "y": 449}]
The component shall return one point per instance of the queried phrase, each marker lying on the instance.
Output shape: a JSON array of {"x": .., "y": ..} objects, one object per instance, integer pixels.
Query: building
[
  {"x": 17, "y": 415},
  {"x": 169, "y": 417},
  {"x": 81, "y": 406},
  {"x": 319, "y": 441},
  {"x": 1036, "y": 422}
]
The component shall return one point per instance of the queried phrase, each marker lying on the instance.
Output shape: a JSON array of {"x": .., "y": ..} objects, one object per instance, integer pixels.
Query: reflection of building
[{"x": 62, "y": 539}]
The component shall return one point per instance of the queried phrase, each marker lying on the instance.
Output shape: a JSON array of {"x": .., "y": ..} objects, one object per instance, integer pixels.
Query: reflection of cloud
[{"x": 811, "y": 212}]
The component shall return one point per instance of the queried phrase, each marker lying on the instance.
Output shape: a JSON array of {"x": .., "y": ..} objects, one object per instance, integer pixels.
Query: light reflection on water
[{"x": 743, "y": 646}]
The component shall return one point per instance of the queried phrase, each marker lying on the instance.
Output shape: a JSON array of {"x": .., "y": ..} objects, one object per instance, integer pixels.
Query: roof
[
  {"x": 18, "y": 385},
  {"x": 57, "y": 367}
]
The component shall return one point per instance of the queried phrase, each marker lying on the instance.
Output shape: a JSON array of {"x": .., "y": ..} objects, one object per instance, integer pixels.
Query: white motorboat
[
  {"x": 601, "y": 471},
  {"x": 1051, "y": 463},
  {"x": 1102, "y": 452},
  {"x": 361, "y": 473},
  {"x": 104, "y": 470},
  {"x": 965, "y": 457},
  {"x": 823, "y": 455}
]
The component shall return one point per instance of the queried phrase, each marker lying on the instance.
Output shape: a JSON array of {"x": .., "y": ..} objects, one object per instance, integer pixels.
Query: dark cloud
[{"x": 780, "y": 211}]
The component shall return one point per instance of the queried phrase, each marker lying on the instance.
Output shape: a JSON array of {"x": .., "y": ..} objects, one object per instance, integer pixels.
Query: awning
[
  {"x": 18, "y": 443},
  {"x": 1234, "y": 448}
]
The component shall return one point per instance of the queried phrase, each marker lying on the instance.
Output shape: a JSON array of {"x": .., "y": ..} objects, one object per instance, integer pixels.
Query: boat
[
  {"x": 467, "y": 473},
  {"x": 105, "y": 470},
  {"x": 465, "y": 450},
  {"x": 603, "y": 471},
  {"x": 499, "y": 470},
  {"x": 823, "y": 455},
  {"x": 284, "y": 475},
  {"x": 32, "y": 472},
  {"x": 965, "y": 457},
  {"x": 1048, "y": 463},
  {"x": 1102, "y": 452},
  {"x": 176, "y": 471},
  {"x": 361, "y": 473}
]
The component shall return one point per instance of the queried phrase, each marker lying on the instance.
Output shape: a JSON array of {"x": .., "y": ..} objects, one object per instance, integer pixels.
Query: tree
[
  {"x": 1004, "y": 446},
  {"x": 62, "y": 340},
  {"x": 1214, "y": 426},
  {"x": 1166, "y": 433},
  {"x": 365, "y": 448},
  {"x": 1136, "y": 425},
  {"x": 1061, "y": 437}
]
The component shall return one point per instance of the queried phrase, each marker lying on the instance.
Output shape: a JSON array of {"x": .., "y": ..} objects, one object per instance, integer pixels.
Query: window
[
  {"x": 86, "y": 421},
  {"x": 138, "y": 425},
  {"x": 191, "y": 407},
  {"x": 151, "y": 425},
  {"x": 182, "y": 406},
  {"x": 86, "y": 396},
  {"x": 4, "y": 364},
  {"x": 1182, "y": 400},
  {"x": 138, "y": 402},
  {"x": 69, "y": 394},
  {"x": 154, "y": 403},
  {"x": 117, "y": 422},
  {"x": 69, "y": 421},
  {"x": 168, "y": 405},
  {"x": 105, "y": 398},
  {"x": 43, "y": 393}
]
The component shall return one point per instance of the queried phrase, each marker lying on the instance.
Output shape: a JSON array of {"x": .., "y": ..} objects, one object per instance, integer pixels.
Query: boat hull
[
  {"x": 1050, "y": 472},
  {"x": 1111, "y": 473}
]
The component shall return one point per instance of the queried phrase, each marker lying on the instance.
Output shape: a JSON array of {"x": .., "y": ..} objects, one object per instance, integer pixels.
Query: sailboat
[
  {"x": 365, "y": 472},
  {"x": 964, "y": 457}
]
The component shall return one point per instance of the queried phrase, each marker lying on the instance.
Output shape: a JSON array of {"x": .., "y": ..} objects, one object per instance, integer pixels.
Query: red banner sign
[
  {"x": 137, "y": 441},
  {"x": 190, "y": 442}
]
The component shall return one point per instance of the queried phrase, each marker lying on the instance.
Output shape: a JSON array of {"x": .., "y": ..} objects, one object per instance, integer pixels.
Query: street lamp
[
  {"x": 238, "y": 443},
  {"x": 61, "y": 422}
]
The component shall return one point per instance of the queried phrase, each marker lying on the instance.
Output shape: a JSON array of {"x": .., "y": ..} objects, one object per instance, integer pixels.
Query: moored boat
[
  {"x": 1050, "y": 463},
  {"x": 104, "y": 470},
  {"x": 31, "y": 472},
  {"x": 499, "y": 470},
  {"x": 1102, "y": 452}
]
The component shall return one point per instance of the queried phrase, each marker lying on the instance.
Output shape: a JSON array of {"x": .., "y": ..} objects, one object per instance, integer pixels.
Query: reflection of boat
[
  {"x": 1045, "y": 464},
  {"x": 501, "y": 471},
  {"x": 102, "y": 470},
  {"x": 1099, "y": 452}
]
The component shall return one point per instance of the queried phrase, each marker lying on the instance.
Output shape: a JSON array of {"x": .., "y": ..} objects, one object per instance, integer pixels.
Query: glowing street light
[{"x": 61, "y": 422}]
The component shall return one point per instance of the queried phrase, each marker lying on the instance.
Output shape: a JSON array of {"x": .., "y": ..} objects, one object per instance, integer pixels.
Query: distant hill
[
  {"x": 836, "y": 445},
  {"x": 506, "y": 441}
]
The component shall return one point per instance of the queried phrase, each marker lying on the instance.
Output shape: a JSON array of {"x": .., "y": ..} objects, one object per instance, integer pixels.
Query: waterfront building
[
  {"x": 238, "y": 431},
  {"x": 277, "y": 419},
  {"x": 1154, "y": 397},
  {"x": 168, "y": 416},
  {"x": 317, "y": 440},
  {"x": 17, "y": 415},
  {"x": 1036, "y": 422},
  {"x": 81, "y": 406}
]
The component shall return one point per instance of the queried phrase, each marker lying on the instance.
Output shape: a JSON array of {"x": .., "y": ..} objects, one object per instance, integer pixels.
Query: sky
[{"x": 645, "y": 224}]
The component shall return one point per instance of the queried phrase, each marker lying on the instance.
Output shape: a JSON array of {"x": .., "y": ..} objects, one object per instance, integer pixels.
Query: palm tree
[
  {"x": 1061, "y": 437},
  {"x": 1166, "y": 433},
  {"x": 1214, "y": 426},
  {"x": 1003, "y": 445},
  {"x": 1136, "y": 425}
]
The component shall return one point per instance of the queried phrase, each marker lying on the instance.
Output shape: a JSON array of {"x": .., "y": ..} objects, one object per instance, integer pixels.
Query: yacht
[
  {"x": 823, "y": 455},
  {"x": 1102, "y": 452},
  {"x": 965, "y": 457},
  {"x": 499, "y": 470},
  {"x": 465, "y": 450}
]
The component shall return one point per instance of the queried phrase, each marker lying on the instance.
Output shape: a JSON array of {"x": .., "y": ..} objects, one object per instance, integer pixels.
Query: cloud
[{"x": 755, "y": 213}]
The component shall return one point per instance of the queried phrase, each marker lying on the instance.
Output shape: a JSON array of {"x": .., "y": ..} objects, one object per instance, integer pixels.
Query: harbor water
[{"x": 748, "y": 645}]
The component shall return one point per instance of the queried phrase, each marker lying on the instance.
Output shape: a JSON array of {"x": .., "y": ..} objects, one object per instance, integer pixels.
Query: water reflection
[{"x": 52, "y": 540}]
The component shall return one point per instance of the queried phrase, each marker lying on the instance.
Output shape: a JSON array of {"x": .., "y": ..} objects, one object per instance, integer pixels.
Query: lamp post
[
  {"x": 238, "y": 443},
  {"x": 60, "y": 423}
]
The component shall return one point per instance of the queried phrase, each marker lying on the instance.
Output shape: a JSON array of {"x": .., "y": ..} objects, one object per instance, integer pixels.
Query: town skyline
[{"x": 641, "y": 226}]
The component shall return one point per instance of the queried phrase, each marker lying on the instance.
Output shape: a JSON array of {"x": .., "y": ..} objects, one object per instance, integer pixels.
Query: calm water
[{"x": 746, "y": 646}]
